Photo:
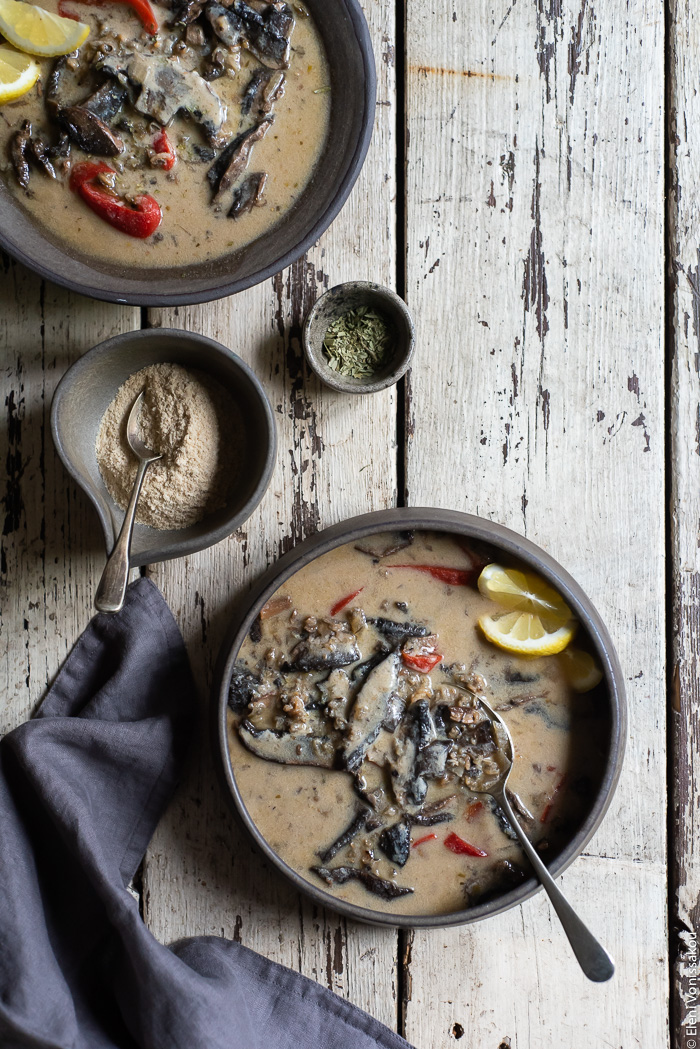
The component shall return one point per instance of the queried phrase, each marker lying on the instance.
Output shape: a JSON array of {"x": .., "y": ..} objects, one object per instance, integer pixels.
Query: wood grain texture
[
  {"x": 535, "y": 272},
  {"x": 684, "y": 316},
  {"x": 51, "y": 546},
  {"x": 337, "y": 457}
]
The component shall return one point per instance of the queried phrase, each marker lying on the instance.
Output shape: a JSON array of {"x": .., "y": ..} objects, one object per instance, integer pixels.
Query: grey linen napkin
[{"x": 82, "y": 787}]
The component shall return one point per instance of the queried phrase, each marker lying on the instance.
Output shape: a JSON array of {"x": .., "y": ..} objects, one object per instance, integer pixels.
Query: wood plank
[
  {"x": 684, "y": 309},
  {"x": 535, "y": 271},
  {"x": 51, "y": 547},
  {"x": 337, "y": 457}
]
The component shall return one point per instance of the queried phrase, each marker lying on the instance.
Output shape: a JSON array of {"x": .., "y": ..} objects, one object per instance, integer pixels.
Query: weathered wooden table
[{"x": 514, "y": 194}]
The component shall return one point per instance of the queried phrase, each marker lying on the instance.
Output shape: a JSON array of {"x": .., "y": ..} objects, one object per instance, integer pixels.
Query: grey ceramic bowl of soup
[
  {"x": 91, "y": 384},
  {"x": 235, "y": 210},
  {"x": 387, "y": 604}
]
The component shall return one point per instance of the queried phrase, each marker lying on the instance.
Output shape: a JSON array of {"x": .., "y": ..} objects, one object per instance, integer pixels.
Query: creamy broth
[
  {"x": 194, "y": 227},
  {"x": 301, "y": 810}
]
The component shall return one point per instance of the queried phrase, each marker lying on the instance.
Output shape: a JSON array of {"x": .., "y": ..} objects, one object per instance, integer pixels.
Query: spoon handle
[
  {"x": 594, "y": 960},
  {"x": 112, "y": 586}
]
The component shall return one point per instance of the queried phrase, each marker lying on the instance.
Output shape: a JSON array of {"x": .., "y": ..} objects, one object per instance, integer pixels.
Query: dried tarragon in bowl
[{"x": 359, "y": 343}]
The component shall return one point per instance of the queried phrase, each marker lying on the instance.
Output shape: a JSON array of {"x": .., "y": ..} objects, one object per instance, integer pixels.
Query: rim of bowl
[
  {"x": 108, "y": 346},
  {"x": 440, "y": 520},
  {"x": 148, "y": 298},
  {"x": 332, "y": 379}
]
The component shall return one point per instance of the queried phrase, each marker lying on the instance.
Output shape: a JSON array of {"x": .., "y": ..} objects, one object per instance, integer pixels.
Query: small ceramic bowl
[
  {"x": 507, "y": 543},
  {"x": 340, "y": 300},
  {"x": 89, "y": 386}
]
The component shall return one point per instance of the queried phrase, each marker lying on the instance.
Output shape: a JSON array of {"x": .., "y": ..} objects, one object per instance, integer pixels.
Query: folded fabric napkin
[{"x": 82, "y": 787}]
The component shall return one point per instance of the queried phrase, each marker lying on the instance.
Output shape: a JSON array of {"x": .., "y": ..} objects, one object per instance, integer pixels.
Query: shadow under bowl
[
  {"x": 89, "y": 386},
  {"x": 512, "y": 546},
  {"x": 340, "y": 300},
  {"x": 343, "y": 30}
]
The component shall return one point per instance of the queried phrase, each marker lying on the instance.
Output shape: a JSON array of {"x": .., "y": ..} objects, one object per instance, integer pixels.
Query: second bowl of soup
[{"x": 349, "y": 721}]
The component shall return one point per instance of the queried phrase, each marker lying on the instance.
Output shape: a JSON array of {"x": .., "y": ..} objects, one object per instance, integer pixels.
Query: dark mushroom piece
[
  {"x": 324, "y": 652},
  {"x": 432, "y": 762},
  {"x": 167, "y": 88},
  {"x": 395, "y": 842},
  {"x": 360, "y": 672},
  {"x": 184, "y": 13},
  {"x": 84, "y": 123},
  {"x": 52, "y": 90},
  {"x": 232, "y": 161},
  {"x": 417, "y": 731},
  {"x": 241, "y": 688},
  {"x": 227, "y": 25},
  {"x": 106, "y": 102},
  {"x": 60, "y": 153},
  {"x": 89, "y": 132},
  {"x": 215, "y": 65},
  {"x": 427, "y": 819},
  {"x": 287, "y": 749},
  {"x": 266, "y": 34},
  {"x": 388, "y": 890},
  {"x": 269, "y": 38},
  {"x": 395, "y": 709},
  {"x": 38, "y": 151},
  {"x": 364, "y": 820},
  {"x": 248, "y": 194},
  {"x": 273, "y": 91},
  {"x": 18, "y": 153},
  {"x": 253, "y": 94},
  {"x": 396, "y": 631},
  {"x": 264, "y": 88},
  {"x": 369, "y": 711}
]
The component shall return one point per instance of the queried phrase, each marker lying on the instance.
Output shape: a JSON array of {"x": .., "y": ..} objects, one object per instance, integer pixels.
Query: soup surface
[
  {"x": 212, "y": 86},
  {"x": 359, "y": 745}
]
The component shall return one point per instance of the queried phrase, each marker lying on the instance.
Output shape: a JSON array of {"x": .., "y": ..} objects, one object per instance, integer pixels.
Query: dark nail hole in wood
[{"x": 457, "y": 1030}]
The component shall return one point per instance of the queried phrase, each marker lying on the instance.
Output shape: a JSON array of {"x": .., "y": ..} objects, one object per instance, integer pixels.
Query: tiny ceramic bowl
[
  {"x": 340, "y": 300},
  {"x": 89, "y": 386},
  {"x": 503, "y": 543}
]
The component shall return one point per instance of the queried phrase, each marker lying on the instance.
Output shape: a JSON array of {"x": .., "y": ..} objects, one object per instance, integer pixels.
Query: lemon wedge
[
  {"x": 580, "y": 669},
  {"x": 523, "y": 592},
  {"x": 40, "y": 32},
  {"x": 18, "y": 73},
  {"x": 526, "y": 633}
]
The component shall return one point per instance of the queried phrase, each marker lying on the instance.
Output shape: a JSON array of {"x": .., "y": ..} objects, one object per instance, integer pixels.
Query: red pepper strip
[
  {"x": 428, "y": 837},
  {"x": 423, "y": 664},
  {"x": 142, "y": 8},
  {"x": 548, "y": 807},
  {"x": 340, "y": 605},
  {"x": 453, "y": 576},
  {"x": 64, "y": 12},
  {"x": 162, "y": 146},
  {"x": 473, "y": 810},
  {"x": 456, "y": 844},
  {"x": 140, "y": 219}
]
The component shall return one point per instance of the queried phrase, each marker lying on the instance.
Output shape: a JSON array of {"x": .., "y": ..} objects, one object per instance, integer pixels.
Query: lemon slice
[
  {"x": 527, "y": 633},
  {"x": 18, "y": 73},
  {"x": 40, "y": 32},
  {"x": 580, "y": 669},
  {"x": 524, "y": 592}
]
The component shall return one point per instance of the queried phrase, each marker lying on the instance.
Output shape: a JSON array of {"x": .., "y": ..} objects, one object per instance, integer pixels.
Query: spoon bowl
[{"x": 133, "y": 434}]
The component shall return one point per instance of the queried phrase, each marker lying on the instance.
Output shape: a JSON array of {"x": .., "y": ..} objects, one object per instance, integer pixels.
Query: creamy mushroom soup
[
  {"x": 359, "y": 745},
  {"x": 206, "y": 133}
]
